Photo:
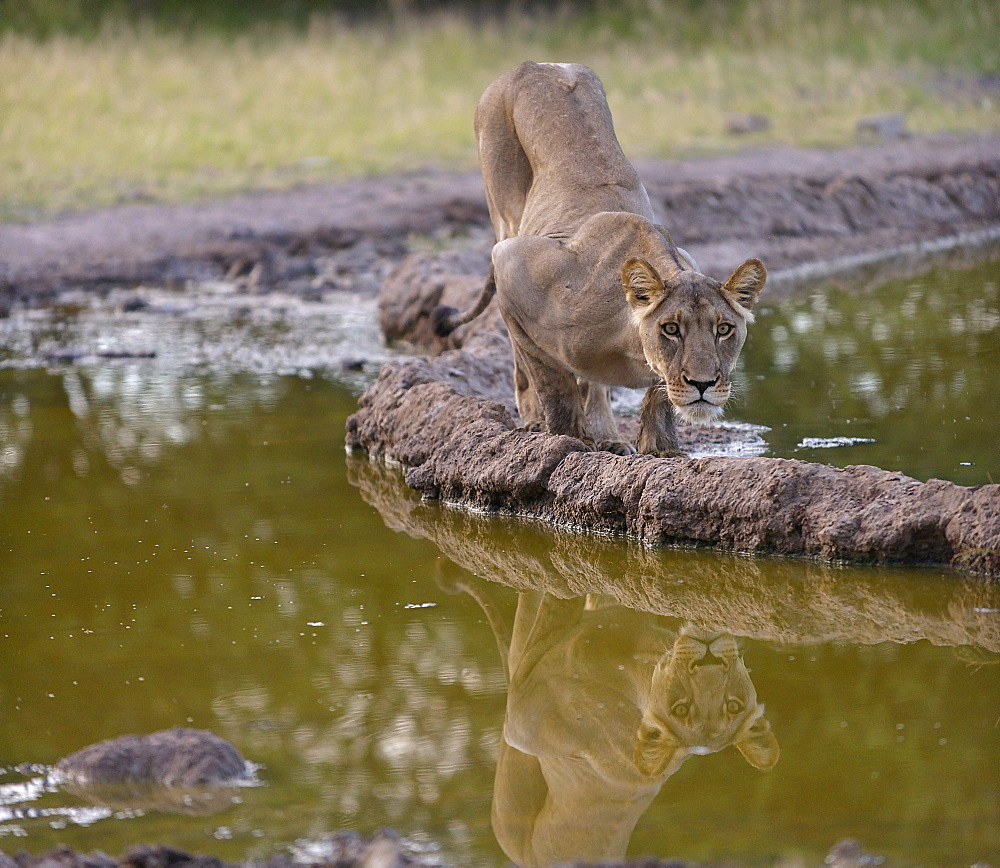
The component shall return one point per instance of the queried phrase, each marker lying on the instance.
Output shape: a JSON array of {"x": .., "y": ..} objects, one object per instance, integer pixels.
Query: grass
[{"x": 137, "y": 112}]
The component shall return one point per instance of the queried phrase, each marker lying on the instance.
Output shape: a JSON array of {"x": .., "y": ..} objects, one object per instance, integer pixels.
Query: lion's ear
[
  {"x": 759, "y": 746},
  {"x": 746, "y": 282},
  {"x": 642, "y": 284},
  {"x": 657, "y": 751}
]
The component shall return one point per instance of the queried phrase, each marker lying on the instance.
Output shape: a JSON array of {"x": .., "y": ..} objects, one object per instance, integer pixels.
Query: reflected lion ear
[
  {"x": 746, "y": 282},
  {"x": 657, "y": 751},
  {"x": 642, "y": 284},
  {"x": 759, "y": 746}
]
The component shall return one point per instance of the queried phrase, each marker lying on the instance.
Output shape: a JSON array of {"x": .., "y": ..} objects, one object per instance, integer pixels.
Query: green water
[
  {"x": 911, "y": 366},
  {"x": 192, "y": 547}
]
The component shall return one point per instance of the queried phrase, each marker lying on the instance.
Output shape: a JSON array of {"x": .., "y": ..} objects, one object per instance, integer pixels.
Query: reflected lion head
[{"x": 701, "y": 700}]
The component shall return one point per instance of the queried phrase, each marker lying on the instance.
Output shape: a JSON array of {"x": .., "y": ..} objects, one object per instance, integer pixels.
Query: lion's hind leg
[{"x": 600, "y": 420}]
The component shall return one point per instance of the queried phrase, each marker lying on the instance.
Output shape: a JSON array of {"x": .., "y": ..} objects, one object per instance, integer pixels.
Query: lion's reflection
[
  {"x": 604, "y": 704},
  {"x": 606, "y": 701}
]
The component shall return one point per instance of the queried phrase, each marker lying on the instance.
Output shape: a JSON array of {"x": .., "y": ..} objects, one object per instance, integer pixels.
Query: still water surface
[{"x": 189, "y": 546}]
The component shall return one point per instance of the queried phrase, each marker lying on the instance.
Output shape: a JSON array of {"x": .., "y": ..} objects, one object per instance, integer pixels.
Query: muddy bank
[{"x": 302, "y": 240}]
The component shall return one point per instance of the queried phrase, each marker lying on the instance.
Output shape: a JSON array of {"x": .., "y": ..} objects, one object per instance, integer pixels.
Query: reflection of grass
[{"x": 136, "y": 112}]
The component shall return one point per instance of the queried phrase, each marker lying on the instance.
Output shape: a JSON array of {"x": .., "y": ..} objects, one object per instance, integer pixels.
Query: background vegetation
[{"x": 105, "y": 101}]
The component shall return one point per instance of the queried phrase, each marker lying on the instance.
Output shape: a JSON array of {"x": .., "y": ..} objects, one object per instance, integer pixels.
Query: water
[
  {"x": 904, "y": 375},
  {"x": 183, "y": 542}
]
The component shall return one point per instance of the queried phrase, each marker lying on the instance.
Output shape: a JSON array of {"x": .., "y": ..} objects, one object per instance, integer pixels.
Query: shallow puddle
[{"x": 186, "y": 544}]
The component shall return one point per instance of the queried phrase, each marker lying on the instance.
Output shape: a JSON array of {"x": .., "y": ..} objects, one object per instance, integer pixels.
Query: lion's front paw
[
  {"x": 534, "y": 427},
  {"x": 617, "y": 447}
]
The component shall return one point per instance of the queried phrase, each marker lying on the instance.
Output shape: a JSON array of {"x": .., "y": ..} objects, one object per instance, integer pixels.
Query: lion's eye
[
  {"x": 654, "y": 735},
  {"x": 724, "y": 330},
  {"x": 680, "y": 710},
  {"x": 734, "y": 706},
  {"x": 671, "y": 329}
]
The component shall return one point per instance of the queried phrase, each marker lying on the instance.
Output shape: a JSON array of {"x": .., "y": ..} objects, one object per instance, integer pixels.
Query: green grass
[{"x": 137, "y": 112}]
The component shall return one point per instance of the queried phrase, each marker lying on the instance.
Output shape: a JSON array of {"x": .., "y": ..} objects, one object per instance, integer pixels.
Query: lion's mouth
[{"x": 700, "y": 411}]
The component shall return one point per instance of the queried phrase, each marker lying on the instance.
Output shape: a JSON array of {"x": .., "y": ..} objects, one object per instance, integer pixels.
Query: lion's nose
[
  {"x": 708, "y": 659},
  {"x": 701, "y": 385}
]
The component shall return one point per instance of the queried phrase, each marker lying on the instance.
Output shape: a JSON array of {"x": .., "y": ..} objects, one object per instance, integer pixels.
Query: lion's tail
[{"x": 445, "y": 320}]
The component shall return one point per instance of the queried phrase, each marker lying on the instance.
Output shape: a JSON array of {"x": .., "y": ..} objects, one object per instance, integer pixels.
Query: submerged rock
[{"x": 170, "y": 758}]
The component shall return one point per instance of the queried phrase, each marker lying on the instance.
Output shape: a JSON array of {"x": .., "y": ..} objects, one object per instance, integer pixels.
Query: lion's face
[
  {"x": 692, "y": 329},
  {"x": 702, "y": 700}
]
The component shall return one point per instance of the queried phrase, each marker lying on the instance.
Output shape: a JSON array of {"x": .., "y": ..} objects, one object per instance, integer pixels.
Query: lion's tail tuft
[{"x": 444, "y": 319}]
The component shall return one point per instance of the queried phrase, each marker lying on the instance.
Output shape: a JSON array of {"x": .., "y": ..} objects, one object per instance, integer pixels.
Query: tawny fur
[{"x": 593, "y": 291}]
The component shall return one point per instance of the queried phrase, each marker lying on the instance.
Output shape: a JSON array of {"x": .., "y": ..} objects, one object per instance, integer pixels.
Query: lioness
[{"x": 594, "y": 293}]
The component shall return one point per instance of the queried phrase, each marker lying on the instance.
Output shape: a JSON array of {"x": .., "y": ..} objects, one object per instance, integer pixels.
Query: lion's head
[
  {"x": 702, "y": 700},
  {"x": 692, "y": 329}
]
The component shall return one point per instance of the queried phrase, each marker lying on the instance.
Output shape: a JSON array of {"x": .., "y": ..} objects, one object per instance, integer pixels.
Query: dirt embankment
[{"x": 793, "y": 208}]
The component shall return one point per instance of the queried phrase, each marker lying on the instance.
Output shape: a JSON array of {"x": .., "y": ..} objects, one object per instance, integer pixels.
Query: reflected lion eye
[
  {"x": 680, "y": 710},
  {"x": 724, "y": 330},
  {"x": 734, "y": 706},
  {"x": 671, "y": 329}
]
